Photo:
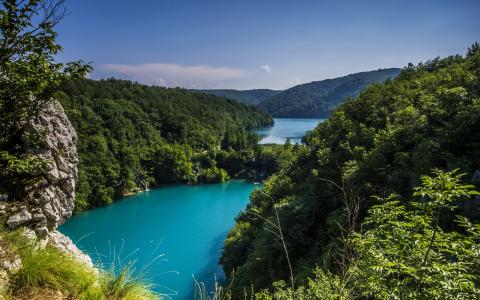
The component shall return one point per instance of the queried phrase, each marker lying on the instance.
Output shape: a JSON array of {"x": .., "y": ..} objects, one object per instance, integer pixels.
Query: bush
[{"x": 403, "y": 253}]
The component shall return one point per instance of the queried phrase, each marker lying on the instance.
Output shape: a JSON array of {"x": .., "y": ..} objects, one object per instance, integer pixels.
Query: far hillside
[
  {"x": 251, "y": 97},
  {"x": 133, "y": 136},
  {"x": 317, "y": 99}
]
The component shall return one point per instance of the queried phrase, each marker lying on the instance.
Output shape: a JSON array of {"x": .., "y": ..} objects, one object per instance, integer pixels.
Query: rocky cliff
[{"x": 50, "y": 201}]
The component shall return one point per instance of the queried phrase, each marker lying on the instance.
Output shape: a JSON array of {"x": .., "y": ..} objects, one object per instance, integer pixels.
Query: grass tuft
[
  {"x": 49, "y": 270},
  {"x": 219, "y": 293},
  {"x": 125, "y": 286}
]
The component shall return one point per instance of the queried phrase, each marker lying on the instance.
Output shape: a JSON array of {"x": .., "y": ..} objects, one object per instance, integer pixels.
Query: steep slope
[
  {"x": 36, "y": 260},
  {"x": 377, "y": 144},
  {"x": 317, "y": 99},
  {"x": 133, "y": 136},
  {"x": 48, "y": 199},
  {"x": 251, "y": 97}
]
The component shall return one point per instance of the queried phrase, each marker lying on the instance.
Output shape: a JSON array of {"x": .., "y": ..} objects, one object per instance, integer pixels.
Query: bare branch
[
  {"x": 332, "y": 182},
  {"x": 279, "y": 235}
]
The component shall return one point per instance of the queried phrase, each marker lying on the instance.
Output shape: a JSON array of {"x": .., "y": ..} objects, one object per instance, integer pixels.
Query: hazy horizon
[{"x": 255, "y": 45}]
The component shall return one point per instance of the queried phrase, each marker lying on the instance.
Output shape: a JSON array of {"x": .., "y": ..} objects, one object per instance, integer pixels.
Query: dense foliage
[
  {"x": 29, "y": 78},
  {"x": 377, "y": 144},
  {"x": 132, "y": 136},
  {"x": 317, "y": 99},
  {"x": 403, "y": 253},
  {"x": 251, "y": 97}
]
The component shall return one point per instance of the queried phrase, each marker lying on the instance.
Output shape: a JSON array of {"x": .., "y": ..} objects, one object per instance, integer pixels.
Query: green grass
[
  {"x": 219, "y": 293},
  {"x": 51, "y": 269},
  {"x": 125, "y": 286}
]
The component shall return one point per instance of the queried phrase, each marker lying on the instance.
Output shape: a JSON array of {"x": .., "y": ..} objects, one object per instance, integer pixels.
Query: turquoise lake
[
  {"x": 285, "y": 128},
  {"x": 172, "y": 233},
  {"x": 176, "y": 232}
]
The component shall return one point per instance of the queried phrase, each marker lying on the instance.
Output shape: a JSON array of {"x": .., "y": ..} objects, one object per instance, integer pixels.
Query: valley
[{"x": 212, "y": 150}]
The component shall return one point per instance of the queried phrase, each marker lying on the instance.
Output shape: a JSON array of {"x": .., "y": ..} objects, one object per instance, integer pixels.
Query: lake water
[
  {"x": 173, "y": 232},
  {"x": 176, "y": 232},
  {"x": 285, "y": 128}
]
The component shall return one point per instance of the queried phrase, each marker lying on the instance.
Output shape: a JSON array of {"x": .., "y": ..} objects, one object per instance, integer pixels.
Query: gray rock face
[
  {"x": 56, "y": 198},
  {"x": 11, "y": 265},
  {"x": 50, "y": 201},
  {"x": 64, "y": 243},
  {"x": 21, "y": 218}
]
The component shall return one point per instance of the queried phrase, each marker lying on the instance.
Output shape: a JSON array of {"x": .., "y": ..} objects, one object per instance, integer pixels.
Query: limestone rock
[
  {"x": 21, "y": 218},
  {"x": 58, "y": 195},
  {"x": 50, "y": 201},
  {"x": 3, "y": 209},
  {"x": 64, "y": 243},
  {"x": 29, "y": 234},
  {"x": 42, "y": 232},
  {"x": 11, "y": 265}
]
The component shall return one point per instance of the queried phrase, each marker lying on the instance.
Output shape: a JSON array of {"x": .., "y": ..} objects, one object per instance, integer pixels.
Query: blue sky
[{"x": 246, "y": 44}]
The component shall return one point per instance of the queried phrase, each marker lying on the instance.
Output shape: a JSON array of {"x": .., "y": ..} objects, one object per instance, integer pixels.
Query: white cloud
[
  {"x": 173, "y": 74},
  {"x": 266, "y": 68}
]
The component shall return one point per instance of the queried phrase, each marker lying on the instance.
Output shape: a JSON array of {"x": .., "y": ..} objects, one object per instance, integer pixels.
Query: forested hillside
[
  {"x": 251, "y": 97},
  {"x": 317, "y": 99},
  {"x": 132, "y": 136},
  {"x": 378, "y": 144}
]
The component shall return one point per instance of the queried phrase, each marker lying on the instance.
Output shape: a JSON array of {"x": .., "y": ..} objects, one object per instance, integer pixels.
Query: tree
[
  {"x": 29, "y": 78},
  {"x": 387, "y": 137},
  {"x": 30, "y": 75},
  {"x": 475, "y": 47},
  {"x": 405, "y": 254}
]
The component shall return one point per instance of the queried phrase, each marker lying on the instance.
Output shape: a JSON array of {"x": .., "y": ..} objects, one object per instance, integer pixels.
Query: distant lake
[
  {"x": 285, "y": 128},
  {"x": 173, "y": 233}
]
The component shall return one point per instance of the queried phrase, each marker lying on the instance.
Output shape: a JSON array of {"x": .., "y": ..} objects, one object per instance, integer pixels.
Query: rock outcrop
[
  {"x": 50, "y": 201},
  {"x": 65, "y": 244}
]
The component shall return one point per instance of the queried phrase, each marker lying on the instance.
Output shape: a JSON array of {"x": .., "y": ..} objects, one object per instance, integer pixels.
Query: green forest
[
  {"x": 317, "y": 99},
  {"x": 380, "y": 201},
  {"x": 349, "y": 191},
  {"x": 251, "y": 97},
  {"x": 309, "y": 100},
  {"x": 133, "y": 136}
]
